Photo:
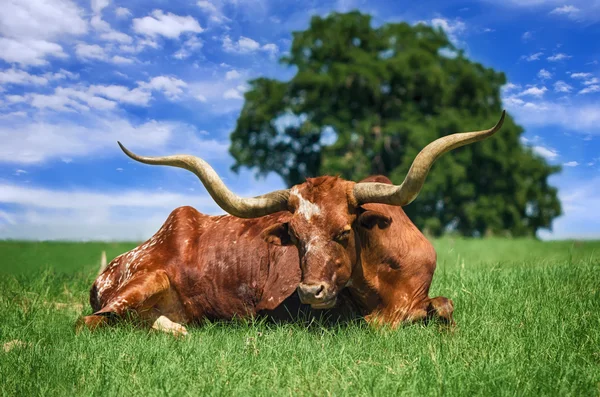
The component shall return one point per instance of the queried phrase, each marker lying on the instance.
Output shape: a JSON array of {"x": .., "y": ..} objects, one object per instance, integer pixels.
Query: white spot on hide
[{"x": 305, "y": 208}]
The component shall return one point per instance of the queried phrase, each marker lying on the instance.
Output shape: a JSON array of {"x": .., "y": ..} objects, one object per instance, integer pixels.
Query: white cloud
[
  {"x": 590, "y": 89},
  {"x": 214, "y": 12},
  {"x": 545, "y": 152},
  {"x": 533, "y": 91},
  {"x": 190, "y": 45},
  {"x": 114, "y": 35},
  {"x": 561, "y": 86},
  {"x": 11, "y": 115},
  {"x": 57, "y": 199},
  {"x": 230, "y": 75},
  {"x": 14, "y": 76},
  {"x": 533, "y": 57},
  {"x": 89, "y": 99},
  {"x": 559, "y": 57},
  {"x": 583, "y": 117},
  {"x": 232, "y": 93},
  {"x": 243, "y": 45},
  {"x": 544, "y": 74},
  {"x": 508, "y": 87},
  {"x": 103, "y": 97},
  {"x": 45, "y": 20},
  {"x": 140, "y": 45},
  {"x": 571, "y": 164},
  {"x": 43, "y": 213},
  {"x": 30, "y": 27},
  {"x": 168, "y": 25},
  {"x": 588, "y": 9},
  {"x": 246, "y": 45},
  {"x": 136, "y": 96},
  {"x": 121, "y": 60},
  {"x": 95, "y": 52},
  {"x": 581, "y": 75},
  {"x": 98, "y": 24},
  {"x": 15, "y": 98},
  {"x": 29, "y": 52},
  {"x": 69, "y": 100},
  {"x": 120, "y": 215},
  {"x": 527, "y": 36},
  {"x": 99, "y": 5},
  {"x": 43, "y": 141},
  {"x": 592, "y": 81},
  {"x": 220, "y": 95},
  {"x": 60, "y": 102},
  {"x": 107, "y": 33},
  {"x": 170, "y": 86},
  {"x": 122, "y": 12},
  {"x": 453, "y": 28},
  {"x": 90, "y": 51},
  {"x": 513, "y": 101},
  {"x": 271, "y": 49},
  {"x": 567, "y": 10},
  {"x": 236, "y": 93}
]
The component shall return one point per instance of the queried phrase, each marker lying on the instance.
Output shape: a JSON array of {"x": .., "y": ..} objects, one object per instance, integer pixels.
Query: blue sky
[{"x": 168, "y": 77}]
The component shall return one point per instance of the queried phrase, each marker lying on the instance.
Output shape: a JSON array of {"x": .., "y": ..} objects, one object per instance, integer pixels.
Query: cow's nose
[{"x": 311, "y": 292}]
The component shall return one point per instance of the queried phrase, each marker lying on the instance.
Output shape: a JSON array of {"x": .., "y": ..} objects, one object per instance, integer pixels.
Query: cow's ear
[
  {"x": 277, "y": 234},
  {"x": 369, "y": 219}
]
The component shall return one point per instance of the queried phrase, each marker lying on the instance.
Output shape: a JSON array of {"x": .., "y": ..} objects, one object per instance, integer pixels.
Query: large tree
[{"x": 365, "y": 100}]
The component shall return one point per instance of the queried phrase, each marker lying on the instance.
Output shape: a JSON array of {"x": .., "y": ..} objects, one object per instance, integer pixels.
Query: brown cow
[{"x": 342, "y": 234}]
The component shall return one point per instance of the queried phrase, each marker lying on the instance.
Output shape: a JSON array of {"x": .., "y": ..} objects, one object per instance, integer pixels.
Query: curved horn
[
  {"x": 411, "y": 186},
  {"x": 235, "y": 205}
]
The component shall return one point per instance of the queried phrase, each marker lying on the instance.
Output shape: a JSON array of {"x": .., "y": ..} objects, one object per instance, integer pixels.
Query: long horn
[
  {"x": 411, "y": 186},
  {"x": 235, "y": 205}
]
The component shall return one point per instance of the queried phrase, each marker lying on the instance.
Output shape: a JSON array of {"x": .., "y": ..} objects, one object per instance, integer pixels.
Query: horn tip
[
  {"x": 125, "y": 150},
  {"x": 500, "y": 122}
]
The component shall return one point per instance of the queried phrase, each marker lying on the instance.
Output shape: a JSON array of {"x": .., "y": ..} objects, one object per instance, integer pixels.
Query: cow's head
[
  {"x": 325, "y": 212},
  {"x": 321, "y": 227}
]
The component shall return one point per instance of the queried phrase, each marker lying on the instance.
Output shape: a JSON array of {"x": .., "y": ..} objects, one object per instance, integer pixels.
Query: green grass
[{"x": 528, "y": 316}]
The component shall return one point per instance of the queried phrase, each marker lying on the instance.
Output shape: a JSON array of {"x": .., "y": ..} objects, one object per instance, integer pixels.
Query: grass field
[{"x": 527, "y": 312}]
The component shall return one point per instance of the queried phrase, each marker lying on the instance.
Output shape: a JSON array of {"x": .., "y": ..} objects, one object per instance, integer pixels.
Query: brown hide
[
  {"x": 196, "y": 266},
  {"x": 391, "y": 271},
  {"x": 217, "y": 267},
  {"x": 392, "y": 278}
]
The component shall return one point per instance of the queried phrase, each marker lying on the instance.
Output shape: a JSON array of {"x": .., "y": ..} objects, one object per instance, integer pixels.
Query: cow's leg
[
  {"x": 142, "y": 296},
  {"x": 441, "y": 308},
  {"x": 138, "y": 295}
]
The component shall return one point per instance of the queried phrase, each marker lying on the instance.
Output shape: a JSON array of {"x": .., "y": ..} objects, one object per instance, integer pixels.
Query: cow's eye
[{"x": 342, "y": 236}]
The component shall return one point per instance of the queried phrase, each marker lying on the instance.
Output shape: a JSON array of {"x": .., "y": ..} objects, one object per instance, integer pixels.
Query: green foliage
[
  {"x": 526, "y": 312},
  {"x": 366, "y": 100}
]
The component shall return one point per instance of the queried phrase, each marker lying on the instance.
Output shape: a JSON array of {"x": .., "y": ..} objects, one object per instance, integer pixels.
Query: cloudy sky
[{"x": 168, "y": 76}]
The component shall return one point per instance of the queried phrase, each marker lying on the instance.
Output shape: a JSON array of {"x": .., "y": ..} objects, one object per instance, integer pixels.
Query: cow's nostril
[
  {"x": 320, "y": 292},
  {"x": 312, "y": 293}
]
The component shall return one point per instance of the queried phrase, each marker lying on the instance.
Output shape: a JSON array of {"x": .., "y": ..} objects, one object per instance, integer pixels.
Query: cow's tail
[{"x": 102, "y": 262}]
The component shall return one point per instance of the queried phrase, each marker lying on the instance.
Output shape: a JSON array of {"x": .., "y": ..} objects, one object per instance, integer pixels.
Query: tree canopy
[{"x": 366, "y": 100}]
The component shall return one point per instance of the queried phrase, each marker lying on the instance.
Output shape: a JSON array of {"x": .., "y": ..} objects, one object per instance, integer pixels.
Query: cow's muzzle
[{"x": 317, "y": 295}]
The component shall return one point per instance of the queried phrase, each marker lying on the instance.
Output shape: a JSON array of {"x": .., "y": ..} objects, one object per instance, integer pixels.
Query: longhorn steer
[{"x": 318, "y": 237}]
